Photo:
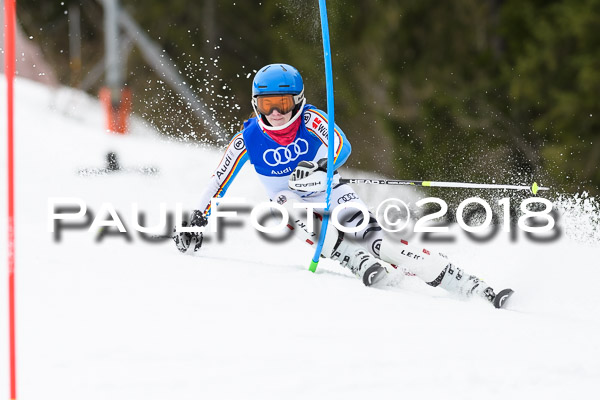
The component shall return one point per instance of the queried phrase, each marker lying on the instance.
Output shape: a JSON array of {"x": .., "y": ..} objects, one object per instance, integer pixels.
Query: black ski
[{"x": 501, "y": 297}]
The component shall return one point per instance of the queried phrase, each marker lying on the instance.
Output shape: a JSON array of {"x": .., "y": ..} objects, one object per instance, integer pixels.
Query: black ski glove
[{"x": 185, "y": 240}]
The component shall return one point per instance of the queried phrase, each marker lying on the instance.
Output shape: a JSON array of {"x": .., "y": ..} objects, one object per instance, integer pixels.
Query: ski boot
[
  {"x": 362, "y": 263},
  {"x": 454, "y": 280}
]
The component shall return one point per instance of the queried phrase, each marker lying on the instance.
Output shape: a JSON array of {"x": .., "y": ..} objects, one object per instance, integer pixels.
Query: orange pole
[{"x": 9, "y": 60}]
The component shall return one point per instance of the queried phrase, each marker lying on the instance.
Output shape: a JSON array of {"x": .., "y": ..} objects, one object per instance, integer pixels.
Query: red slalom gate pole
[{"x": 9, "y": 61}]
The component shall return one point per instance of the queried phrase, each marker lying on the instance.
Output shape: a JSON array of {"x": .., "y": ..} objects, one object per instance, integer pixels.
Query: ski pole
[
  {"x": 533, "y": 188},
  {"x": 330, "y": 126}
]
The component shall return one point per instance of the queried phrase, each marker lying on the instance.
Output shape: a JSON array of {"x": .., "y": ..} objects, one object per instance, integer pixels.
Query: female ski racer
[{"x": 287, "y": 145}]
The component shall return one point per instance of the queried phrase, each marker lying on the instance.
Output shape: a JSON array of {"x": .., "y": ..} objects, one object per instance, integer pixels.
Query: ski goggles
[{"x": 284, "y": 103}]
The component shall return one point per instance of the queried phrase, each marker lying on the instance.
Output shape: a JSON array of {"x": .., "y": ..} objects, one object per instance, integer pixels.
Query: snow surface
[{"x": 245, "y": 319}]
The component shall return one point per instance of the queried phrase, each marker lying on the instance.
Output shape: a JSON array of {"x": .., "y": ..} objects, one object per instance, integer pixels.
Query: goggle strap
[{"x": 297, "y": 99}]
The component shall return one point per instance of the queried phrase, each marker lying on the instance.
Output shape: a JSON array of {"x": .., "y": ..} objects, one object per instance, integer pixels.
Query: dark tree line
[{"x": 474, "y": 90}]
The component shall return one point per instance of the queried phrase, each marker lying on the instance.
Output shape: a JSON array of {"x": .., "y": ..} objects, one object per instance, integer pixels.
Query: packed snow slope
[{"x": 244, "y": 318}]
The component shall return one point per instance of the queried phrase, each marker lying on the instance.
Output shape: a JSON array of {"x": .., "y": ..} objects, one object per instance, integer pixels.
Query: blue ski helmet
[{"x": 275, "y": 79}]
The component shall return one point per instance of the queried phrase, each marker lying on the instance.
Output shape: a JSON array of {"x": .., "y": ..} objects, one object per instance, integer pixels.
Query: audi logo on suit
[{"x": 285, "y": 154}]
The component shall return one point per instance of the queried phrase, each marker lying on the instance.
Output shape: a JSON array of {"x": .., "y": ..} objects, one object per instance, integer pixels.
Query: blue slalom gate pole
[{"x": 330, "y": 127}]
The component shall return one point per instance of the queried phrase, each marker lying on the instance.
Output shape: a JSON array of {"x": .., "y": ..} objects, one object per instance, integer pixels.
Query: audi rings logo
[
  {"x": 286, "y": 154},
  {"x": 347, "y": 197}
]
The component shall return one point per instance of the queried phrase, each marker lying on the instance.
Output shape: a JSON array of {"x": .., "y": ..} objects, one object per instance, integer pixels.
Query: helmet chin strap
[{"x": 278, "y": 128}]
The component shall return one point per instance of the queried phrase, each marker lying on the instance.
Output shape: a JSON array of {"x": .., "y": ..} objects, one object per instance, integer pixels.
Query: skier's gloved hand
[
  {"x": 311, "y": 176},
  {"x": 186, "y": 240}
]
